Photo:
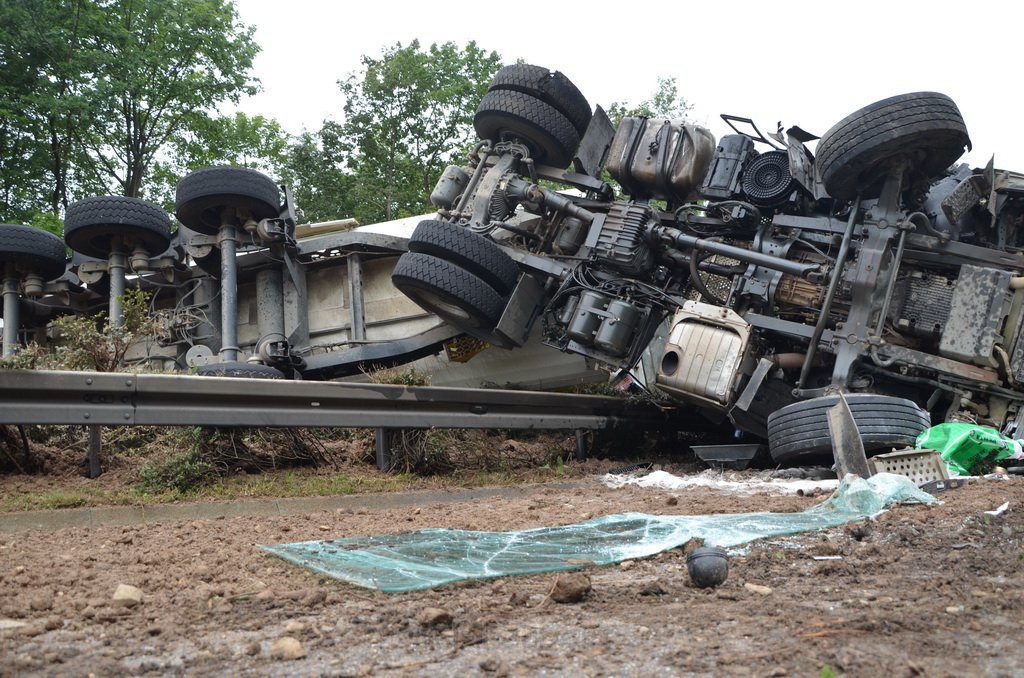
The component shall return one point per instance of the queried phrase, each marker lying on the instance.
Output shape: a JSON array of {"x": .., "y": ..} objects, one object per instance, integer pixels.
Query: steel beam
[
  {"x": 12, "y": 290},
  {"x": 39, "y": 397}
]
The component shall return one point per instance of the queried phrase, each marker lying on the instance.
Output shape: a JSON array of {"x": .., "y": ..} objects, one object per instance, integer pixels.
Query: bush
[{"x": 183, "y": 472}]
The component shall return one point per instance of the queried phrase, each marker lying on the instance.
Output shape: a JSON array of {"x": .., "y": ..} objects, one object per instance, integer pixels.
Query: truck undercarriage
[{"x": 747, "y": 278}]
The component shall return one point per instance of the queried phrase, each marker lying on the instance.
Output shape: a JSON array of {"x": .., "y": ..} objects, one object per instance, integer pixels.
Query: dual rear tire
[
  {"x": 459, "y": 276},
  {"x": 536, "y": 107}
]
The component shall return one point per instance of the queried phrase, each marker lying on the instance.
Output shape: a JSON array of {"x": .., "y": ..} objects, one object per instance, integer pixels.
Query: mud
[{"x": 920, "y": 591}]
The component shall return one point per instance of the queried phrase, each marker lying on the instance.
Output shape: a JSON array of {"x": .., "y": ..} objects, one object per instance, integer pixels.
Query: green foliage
[
  {"x": 93, "y": 91},
  {"x": 666, "y": 102},
  {"x": 827, "y": 672},
  {"x": 48, "y": 221},
  {"x": 88, "y": 343},
  {"x": 321, "y": 187},
  {"x": 406, "y": 114},
  {"x": 403, "y": 375},
  {"x": 239, "y": 140},
  {"x": 183, "y": 472}
]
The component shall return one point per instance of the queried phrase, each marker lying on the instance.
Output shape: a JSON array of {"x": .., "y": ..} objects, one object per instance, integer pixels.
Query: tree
[
  {"x": 42, "y": 68},
  {"x": 665, "y": 103},
  {"x": 407, "y": 114},
  {"x": 170, "y": 63},
  {"x": 99, "y": 88},
  {"x": 321, "y": 187},
  {"x": 240, "y": 140}
]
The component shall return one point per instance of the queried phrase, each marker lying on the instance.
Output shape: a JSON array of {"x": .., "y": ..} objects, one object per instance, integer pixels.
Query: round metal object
[{"x": 708, "y": 567}]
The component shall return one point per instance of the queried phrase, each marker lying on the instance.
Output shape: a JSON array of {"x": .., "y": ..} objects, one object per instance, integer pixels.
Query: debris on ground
[
  {"x": 428, "y": 558},
  {"x": 969, "y": 449},
  {"x": 747, "y": 483}
]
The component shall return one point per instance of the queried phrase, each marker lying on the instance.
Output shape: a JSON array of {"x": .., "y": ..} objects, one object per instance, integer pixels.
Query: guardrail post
[
  {"x": 382, "y": 437},
  {"x": 581, "y": 445},
  {"x": 93, "y": 455}
]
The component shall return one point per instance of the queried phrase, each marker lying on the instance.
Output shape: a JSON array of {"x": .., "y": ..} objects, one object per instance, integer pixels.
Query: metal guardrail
[{"x": 116, "y": 399}]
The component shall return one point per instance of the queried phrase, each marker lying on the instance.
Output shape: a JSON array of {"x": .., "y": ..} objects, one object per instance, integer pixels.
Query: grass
[{"x": 291, "y": 483}]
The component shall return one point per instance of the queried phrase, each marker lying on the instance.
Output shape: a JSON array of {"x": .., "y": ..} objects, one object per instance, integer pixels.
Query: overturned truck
[
  {"x": 766, "y": 278},
  {"x": 747, "y": 278}
]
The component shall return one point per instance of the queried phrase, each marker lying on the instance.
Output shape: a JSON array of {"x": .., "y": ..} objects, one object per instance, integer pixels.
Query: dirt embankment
[{"x": 921, "y": 591}]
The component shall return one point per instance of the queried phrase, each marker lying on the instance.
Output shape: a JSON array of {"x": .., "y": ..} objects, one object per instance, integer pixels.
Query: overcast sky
[{"x": 802, "y": 63}]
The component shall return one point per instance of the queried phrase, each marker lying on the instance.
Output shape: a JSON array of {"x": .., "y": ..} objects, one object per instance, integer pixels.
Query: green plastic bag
[{"x": 968, "y": 449}]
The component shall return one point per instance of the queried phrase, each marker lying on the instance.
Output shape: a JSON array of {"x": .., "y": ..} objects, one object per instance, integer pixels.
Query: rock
[
  {"x": 653, "y": 589},
  {"x": 954, "y": 609},
  {"x": 127, "y": 595},
  {"x": 287, "y": 648},
  {"x": 313, "y": 597},
  {"x": 492, "y": 665},
  {"x": 626, "y": 564},
  {"x": 252, "y": 649},
  {"x": 294, "y": 627},
  {"x": 41, "y": 602},
  {"x": 434, "y": 616},
  {"x": 8, "y": 626},
  {"x": 757, "y": 588},
  {"x": 570, "y": 587}
]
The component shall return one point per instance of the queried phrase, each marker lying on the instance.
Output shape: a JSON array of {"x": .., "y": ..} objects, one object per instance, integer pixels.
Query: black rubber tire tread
[
  {"x": 925, "y": 127},
  {"x": 90, "y": 225},
  {"x": 800, "y": 431},
  {"x": 551, "y": 87},
  {"x": 202, "y": 195},
  {"x": 811, "y": 431},
  {"x": 469, "y": 250},
  {"x": 33, "y": 248},
  {"x": 240, "y": 370},
  {"x": 417, "y": 274},
  {"x": 550, "y": 136},
  {"x": 866, "y": 415}
]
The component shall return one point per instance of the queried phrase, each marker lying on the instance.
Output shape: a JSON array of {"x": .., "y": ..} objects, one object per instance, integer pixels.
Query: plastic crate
[
  {"x": 921, "y": 466},
  {"x": 462, "y": 349}
]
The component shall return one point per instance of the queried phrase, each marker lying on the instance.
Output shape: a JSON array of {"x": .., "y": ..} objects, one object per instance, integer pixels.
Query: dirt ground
[{"x": 923, "y": 590}]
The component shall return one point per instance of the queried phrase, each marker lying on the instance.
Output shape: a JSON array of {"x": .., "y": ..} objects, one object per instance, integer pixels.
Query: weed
[
  {"x": 183, "y": 472},
  {"x": 89, "y": 343},
  {"x": 403, "y": 376}
]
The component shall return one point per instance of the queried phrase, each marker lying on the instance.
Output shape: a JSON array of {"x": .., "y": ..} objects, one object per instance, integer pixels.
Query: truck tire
[
  {"x": 203, "y": 195},
  {"x": 505, "y": 115},
  {"x": 923, "y": 128},
  {"x": 449, "y": 291},
  {"x": 800, "y": 431},
  {"x": 469, "y": 250},
  {"x": 551, "y": 87},
  {"x": 91, "y": 225},
  {"x": 239, "y": 370},
  {"x": 33, "y": 249}
]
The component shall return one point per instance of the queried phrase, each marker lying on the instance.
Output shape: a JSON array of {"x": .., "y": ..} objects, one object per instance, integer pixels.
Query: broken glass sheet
[{"x": 427, "y": 558}]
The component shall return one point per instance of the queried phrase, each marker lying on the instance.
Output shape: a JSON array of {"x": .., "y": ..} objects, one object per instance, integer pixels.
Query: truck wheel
[
  {"x": 450, "y": 292},
  {"x": 203, "y": 195},
  {"x": 505, "y": 115},
  {"x": 91, "y": 225},
  {"x": 468, "y": 250},
  {"x": 800, "y": 431},
  {"x": 925, "y": 129},
  {"x": 551, "y": 87},
  {"x": 240, "y": 370},
  {"x": 33, "y": 249}
]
